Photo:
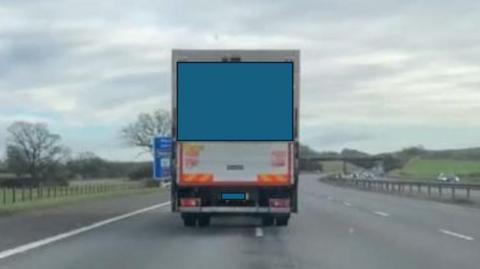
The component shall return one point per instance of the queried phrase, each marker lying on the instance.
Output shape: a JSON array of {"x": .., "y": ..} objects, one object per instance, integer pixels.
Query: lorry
[{"x": 235, "y": 134}]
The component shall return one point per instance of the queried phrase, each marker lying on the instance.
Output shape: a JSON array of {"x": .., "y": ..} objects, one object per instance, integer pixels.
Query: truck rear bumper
[{"x": 234, "y": 210}]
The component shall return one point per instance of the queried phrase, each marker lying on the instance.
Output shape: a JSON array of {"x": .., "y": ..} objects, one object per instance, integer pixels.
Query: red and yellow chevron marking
[
  {"x": 196, "y": 178},
  {"x": 272, "y": 179},
  {"x": 192, "y": 149}
]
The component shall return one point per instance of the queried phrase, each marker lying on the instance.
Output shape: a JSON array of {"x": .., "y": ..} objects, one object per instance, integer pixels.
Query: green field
[
  {"x": 104, "y": 181},
  {"x": 428, "y": 169}
]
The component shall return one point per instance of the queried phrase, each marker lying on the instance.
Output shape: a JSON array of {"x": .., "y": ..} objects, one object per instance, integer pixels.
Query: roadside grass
[
  {"x": 36, "y": 203},
  {"x": 103, "y": 181},
  {"x": 428, "y": 169}
]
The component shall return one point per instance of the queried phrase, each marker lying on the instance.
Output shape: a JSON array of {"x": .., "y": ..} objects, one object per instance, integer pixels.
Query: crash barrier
[{"x": 423, "y": 188}]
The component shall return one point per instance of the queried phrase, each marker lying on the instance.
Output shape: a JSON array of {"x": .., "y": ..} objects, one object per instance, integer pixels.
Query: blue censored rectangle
[
  {"x": 235, "y": 101},
  {"x": 233, "y": 196}
]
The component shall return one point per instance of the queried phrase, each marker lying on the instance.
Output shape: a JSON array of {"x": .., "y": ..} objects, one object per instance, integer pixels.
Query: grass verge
[
  {"x": 428, "y": 169},
  {"x": 60, "y": 201}
]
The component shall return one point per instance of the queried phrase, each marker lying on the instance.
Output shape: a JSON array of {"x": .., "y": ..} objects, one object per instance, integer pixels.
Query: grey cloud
[
  {"x": 112, "y": 57},
  {"x": 338, "y": 138},
  {"x": 128, "y": 88}
]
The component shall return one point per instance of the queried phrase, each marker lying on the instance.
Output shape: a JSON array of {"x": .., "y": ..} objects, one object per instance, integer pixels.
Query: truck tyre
[
  {"x": 189, "y": 220},
  {"x": 203, "y": 221},
  {"x": 267, "y": 221},
  {"x": 282, "y": 221}
]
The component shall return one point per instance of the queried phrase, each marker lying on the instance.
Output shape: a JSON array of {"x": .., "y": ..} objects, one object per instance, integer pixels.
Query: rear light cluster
[
  {"x": 273, "y": 179},
  {"x": 190, "y": 202},
  {"x": 279, "y": 202}
]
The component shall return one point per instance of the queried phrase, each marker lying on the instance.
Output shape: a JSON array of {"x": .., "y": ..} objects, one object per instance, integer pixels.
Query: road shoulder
[{"x": 29, "y": 226}]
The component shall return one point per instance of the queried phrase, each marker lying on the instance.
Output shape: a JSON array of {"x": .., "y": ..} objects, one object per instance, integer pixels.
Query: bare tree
[
  {"x": 87, "y": 165},
  {"x": 33, "y": 150},
  {"x": 3, "y": 165},
  {"x": 141, "y": 132}
]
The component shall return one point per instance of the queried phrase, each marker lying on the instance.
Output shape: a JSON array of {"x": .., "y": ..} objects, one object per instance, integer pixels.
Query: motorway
[{"x": 336, "y": 228}]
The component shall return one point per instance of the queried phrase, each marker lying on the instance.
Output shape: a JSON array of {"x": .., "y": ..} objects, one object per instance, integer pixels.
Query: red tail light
[
  {"x": 189, "y": 202},
  {"x": 279, "y": 202}
]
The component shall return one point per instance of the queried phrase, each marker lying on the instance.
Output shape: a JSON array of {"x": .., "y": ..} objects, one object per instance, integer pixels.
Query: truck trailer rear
[{"x": 235, "y": 134}]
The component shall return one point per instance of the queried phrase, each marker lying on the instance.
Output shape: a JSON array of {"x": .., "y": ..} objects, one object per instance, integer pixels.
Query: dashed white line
[
  {"x": 462, "y": 236},
  {"x": 380, "y": 213},
  {"x": 23, "y": 248},
  {"x": 258, "y": 232},
  {"x": 347, "y": 204}
]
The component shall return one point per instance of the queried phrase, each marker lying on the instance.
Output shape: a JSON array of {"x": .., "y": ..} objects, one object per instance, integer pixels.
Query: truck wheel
[
  {"x": 189, "y": 220},
  {"x": 267, "y": 220},
  {"x": 282, "y": 221},
  {"x": 203, "y": 221}
]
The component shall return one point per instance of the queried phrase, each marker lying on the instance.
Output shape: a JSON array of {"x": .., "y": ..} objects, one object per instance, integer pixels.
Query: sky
[{"x": 376, "y": 75}]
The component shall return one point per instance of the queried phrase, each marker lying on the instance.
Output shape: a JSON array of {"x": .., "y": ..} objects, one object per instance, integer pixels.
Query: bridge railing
[{"x": 423, "y": 188}]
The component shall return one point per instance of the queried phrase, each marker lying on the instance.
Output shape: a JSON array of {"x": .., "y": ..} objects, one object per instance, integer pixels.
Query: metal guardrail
[{"x": 430, "y": 189}]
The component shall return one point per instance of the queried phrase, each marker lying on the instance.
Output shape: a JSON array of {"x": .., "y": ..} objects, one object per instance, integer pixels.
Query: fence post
[
  {"x": 23, "y": 193},
  {"x": 30, "y": 195},
  {"x": 468, "y": 193},
  {"x": 419, "y": 188},
  {"x": 14, "y": 192},
  {"x": 4, "y": 191},
  {"x": 440, "y": 191},
  {"x": 453, "y": 192}
]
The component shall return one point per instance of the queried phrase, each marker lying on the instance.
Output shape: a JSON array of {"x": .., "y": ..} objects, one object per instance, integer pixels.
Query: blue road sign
[{"x": 162, "y": 147}]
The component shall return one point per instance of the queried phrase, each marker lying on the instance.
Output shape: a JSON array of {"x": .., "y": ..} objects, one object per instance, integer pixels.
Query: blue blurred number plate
[{"x": 233, "y": 196}]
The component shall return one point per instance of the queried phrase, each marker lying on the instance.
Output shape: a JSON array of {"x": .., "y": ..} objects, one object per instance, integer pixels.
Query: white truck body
[{"x": 245, "y": 163}]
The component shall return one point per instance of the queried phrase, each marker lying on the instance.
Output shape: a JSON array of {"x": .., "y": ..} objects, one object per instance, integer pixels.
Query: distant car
[
  {"x": 364, "y": 175},
  {"x": 448, "y": 178}
]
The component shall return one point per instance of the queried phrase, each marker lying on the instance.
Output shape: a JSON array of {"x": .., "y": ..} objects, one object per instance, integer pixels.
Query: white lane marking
[
  {"x": 258, "y": 232},
  {"x": 23, "y": 248},
  {"x": 380, "y": 213},
  {"x": 462, "y": 236},
  {"x": 330, "y": 198},
  {"x": 347, "y": 204}
]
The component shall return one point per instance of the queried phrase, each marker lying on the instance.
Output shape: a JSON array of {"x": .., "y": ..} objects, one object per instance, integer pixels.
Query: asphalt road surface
[{"x": 336, "y": 228}]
